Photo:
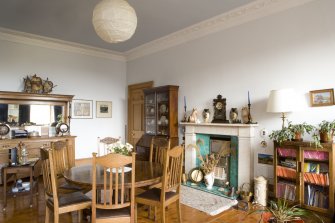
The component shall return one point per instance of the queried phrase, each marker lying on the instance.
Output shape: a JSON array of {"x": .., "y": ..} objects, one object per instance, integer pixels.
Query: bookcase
[{"x": 304, "y": 175}]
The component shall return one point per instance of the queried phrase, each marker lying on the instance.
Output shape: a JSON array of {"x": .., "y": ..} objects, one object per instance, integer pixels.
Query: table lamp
[{"x": 281, "y": 101}]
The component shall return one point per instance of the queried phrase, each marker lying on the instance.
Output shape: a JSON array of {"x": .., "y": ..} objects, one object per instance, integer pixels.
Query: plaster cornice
[
  {"x": 51, "y": 43},
  {"x": 238, "y": 16}
]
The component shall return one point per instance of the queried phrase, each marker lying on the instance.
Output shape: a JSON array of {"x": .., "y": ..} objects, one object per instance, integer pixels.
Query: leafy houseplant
[
  {"x": 300, "y": 129},
  {"x": 326, "y": 130},
  {"x": 282, "y": 135},
  {"x": 282, "y": 212},
  {"x": 120, "y": 148}
]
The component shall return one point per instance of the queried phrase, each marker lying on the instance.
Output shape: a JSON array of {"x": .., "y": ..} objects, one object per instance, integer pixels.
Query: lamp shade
[
  {"x": 114, "y": 20},
  {"x": 281, "y": 101}
]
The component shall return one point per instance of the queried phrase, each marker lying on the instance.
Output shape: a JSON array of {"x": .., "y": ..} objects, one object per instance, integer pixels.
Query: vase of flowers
[
  {"x": 120, "y": 148},
  {"x": 207, "y": 165}
]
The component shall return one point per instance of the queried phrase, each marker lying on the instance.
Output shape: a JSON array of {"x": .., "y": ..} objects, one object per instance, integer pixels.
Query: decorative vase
[
  {"x": 205, "y": 115},
  {"x": 209, "y": 180}
]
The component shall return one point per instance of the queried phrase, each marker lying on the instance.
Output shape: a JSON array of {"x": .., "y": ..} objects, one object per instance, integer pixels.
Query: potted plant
[
  {"x": 326, "y": 130},
  {"x": 299, "y": 130},
  {"x": 281, "y": 212},
  {"x": 282, "y": 135}
]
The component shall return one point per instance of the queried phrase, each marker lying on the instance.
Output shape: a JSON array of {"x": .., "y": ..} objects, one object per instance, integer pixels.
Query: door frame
[{"x": 131, "y": 87}]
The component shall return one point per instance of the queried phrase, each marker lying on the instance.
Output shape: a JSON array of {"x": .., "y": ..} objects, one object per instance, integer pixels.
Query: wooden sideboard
[{"x": 33, "y": 146}]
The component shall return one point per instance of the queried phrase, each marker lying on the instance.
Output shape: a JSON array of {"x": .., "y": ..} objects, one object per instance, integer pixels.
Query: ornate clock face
[
  {"x": 196, "y": 175},
  {"x": 219, "y": 105}
]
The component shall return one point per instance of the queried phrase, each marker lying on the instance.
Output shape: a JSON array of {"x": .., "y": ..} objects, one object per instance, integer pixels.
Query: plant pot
[
  {"x": 326, "y": 137},
  {"x": 297, "y": 137},
  {"x": 209, "y": 180}
]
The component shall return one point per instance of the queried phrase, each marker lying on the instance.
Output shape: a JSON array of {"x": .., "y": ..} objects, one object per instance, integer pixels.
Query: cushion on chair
[
  {"x": 68, "y": 186},
  {"x": 68, "y": 199},
  {"x": 113, "y": 213},
  {"x": 155, "y": 194}
]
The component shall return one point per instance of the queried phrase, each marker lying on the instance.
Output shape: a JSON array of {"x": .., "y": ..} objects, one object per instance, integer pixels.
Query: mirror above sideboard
[{"x": 17, "y": 108}]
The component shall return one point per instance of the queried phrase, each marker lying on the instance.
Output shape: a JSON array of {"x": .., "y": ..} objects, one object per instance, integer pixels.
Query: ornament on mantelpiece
[
  {"x": 194, "y": 116},
  {"x": 245, "y": 115},
  {"x": 233, "y": 116},
  {"x": 205, "y": 115}
]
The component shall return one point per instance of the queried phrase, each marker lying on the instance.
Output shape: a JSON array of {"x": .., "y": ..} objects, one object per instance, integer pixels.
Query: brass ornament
[{"x": 37, "y": 85}]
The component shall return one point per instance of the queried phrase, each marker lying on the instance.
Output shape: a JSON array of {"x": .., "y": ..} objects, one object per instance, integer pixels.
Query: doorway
[{"x": 136, "y": 111}]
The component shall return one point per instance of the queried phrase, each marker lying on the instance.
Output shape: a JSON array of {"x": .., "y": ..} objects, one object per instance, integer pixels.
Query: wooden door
[{"x": 136, "y": 111}]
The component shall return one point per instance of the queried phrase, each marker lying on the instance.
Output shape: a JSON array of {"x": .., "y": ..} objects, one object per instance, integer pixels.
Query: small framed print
[
  {"x": 82, "y": 108},
  {"x": 323, "y": 97},
  {"x": 104, "y": 109}
]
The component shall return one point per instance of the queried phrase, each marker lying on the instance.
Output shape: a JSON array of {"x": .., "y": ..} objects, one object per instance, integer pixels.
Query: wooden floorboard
[{"x": 18, "y": 211}]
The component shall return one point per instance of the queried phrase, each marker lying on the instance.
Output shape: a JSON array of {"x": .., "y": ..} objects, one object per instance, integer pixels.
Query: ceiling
[{"x": 70, "y": 20}]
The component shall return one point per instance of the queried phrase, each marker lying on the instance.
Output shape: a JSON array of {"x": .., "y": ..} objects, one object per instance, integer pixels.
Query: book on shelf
[
  {"x": 312, "y": 167},
  {"x": 321, "y": 179},
  {"x": 288, "y": 163},
  {"x": 286, "y": 172},
  {"x": 316, "y": 196},
  {"x": 286, "y": 190}
]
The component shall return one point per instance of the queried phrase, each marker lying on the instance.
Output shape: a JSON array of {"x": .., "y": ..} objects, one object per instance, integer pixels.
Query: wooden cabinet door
[{"x": 136, "y": 111}]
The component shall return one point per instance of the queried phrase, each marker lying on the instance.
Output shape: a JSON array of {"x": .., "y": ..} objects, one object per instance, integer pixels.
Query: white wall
[
  {"x": 291, "y": 49},
  {"x": 86, "y": 77}
]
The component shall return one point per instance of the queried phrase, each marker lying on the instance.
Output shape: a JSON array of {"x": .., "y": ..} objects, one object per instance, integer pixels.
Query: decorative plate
[
  {"x": 126, "y": 169},
  {"x": 163, "y": 108}
]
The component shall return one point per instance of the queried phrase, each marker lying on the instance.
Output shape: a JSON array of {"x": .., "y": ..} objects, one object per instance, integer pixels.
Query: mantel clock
[{"x": 219, "y": 104}]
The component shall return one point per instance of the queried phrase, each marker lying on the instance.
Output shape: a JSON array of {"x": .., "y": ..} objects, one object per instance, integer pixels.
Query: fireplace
[{"x": 241, "y": 137}]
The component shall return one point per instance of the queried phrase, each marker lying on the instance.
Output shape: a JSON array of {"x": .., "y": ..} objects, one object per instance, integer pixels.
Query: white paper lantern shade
[{"x": 114, "y": 20}]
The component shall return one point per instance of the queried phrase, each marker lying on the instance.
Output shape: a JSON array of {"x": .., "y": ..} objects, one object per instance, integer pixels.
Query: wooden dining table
[{"x": 146, "y": 174}]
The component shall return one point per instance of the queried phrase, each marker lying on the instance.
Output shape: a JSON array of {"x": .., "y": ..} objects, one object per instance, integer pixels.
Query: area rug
[{"x": 206, "y": 202}]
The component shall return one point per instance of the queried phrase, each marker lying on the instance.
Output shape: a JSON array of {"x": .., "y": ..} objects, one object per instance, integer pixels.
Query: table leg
[{"x": 4, "y": 189}]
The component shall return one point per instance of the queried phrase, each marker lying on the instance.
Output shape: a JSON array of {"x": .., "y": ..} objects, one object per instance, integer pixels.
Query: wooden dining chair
[
  {"x": 61, "y": 164},
  {"x": 157, "y": 146},
  {"x": 103, "y": 144},
  {"x": 55, "y": 202},
  {"x": 113, "y": 205},
  {"x": 156, "y": 154},
  {"x": 171, "y": 182}
]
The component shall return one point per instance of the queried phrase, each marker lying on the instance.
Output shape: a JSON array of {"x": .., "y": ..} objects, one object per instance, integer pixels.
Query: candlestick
[{"x": 248, "y": 98}]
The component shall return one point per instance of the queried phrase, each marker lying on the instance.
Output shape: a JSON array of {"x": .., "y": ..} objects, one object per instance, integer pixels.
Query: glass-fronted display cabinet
[
  {"x": 157, "y": 113},
  {"x": 160, "y": 115}
]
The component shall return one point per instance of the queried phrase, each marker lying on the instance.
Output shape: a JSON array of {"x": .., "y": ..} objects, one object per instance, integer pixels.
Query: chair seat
[
  {"x": 154, "y": 194},
  {"x": 69, "y": 199},
  {"x": 69, "y": 186},
  {"x": 113, "y": 213}
]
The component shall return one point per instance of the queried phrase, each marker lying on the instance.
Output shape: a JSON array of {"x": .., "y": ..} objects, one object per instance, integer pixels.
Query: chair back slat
[
  {"x": 60, "y": 156},
  {"x": 173, "y": 169},
  {"x": 49, "y": 175},
  {"x": 157, "y": 146},
  {"x": 114, "y": 188}
]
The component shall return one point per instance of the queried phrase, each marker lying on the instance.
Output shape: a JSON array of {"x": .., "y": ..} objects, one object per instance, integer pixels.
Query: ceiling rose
[{"x": 114, "y": 20}]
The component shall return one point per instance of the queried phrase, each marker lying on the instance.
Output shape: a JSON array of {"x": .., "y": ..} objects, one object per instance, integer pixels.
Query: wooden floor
[{"x": 18, "y": 211}]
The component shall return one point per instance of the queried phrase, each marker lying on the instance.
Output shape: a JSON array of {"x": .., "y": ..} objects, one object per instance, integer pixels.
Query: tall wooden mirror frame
[{"x": 9, "y": 97}]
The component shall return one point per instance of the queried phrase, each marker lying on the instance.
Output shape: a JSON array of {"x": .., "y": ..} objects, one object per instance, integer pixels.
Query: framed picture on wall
[
  {"x": 323, "y": 97},
  {"x": 104, "y": 109},
  {"x": 82, "y": 108}
]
